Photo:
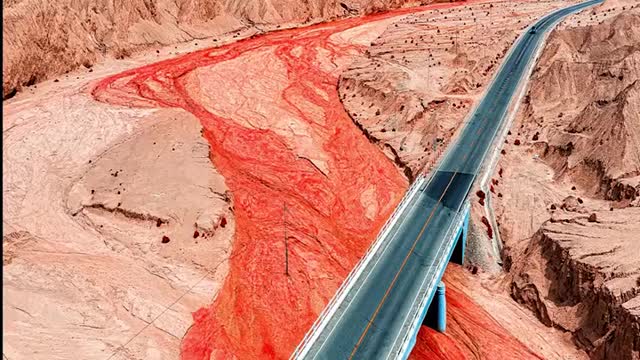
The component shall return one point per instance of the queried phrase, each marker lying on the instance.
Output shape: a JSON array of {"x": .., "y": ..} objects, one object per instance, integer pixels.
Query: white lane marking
[
  {"x": 386, "y": 246},
  {"x": 432, "y": 278},
  {"x": 323, "y": 319}
]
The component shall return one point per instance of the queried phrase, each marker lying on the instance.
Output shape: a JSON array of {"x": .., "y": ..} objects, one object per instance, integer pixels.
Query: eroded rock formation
[
  {"x": 583, "y": 277},
  {"x": 415, "y": 84},
  {"x": 46, "y": 38},
  {"x": 569, "y": 215}
]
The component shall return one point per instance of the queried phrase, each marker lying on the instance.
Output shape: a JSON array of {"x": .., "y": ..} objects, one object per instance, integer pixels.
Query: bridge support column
[
  {"x": 461, "y": 243},
  {"x": 436, "y": 317}
]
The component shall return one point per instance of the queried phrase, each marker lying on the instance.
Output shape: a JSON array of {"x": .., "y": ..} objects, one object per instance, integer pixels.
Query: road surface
[{"x": 371, "y": 321}]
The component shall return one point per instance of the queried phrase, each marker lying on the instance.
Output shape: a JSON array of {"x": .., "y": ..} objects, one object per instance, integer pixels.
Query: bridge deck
[{"x": 371, "y": 320}]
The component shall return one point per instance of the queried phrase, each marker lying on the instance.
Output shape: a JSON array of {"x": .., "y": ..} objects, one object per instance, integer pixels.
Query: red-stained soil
[
  {"x": 471, "y": 334},
  {"x": 260, "y": 312}
]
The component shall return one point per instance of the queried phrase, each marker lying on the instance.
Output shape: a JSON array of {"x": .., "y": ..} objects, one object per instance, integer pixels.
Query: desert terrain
[
  {"x": 415, "y": 84},
  {"x": 45, "y": 39},
  {"x": 197, "y": 181},
  {"x": 569, "y": 187}
]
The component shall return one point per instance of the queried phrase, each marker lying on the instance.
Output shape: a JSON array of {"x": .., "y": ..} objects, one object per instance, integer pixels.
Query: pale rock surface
[
  {"x": 569, "y": 212},
  {"x": 88, "y": 273},
  {"x": 42, "y": 38},
  {"x": 416, "y": 83}
]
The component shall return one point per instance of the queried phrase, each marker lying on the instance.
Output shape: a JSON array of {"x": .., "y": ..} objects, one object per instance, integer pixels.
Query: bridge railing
[
  {"x": 334, "y": 303},
  {"x": 425, "y": 294},
  {"x": 423, "y": 177}
]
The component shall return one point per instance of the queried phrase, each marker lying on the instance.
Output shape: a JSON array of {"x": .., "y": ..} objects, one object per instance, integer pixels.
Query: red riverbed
[
  {"x": 336, "y": 201},
  {"x": 471, "y": 332}
]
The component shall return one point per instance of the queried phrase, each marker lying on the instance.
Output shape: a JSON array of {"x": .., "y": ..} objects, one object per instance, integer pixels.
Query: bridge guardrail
[
  {"x": 425, "y": 295},
  {"x": 423, "y": 176},
  {"x": 329, "y": 308}
]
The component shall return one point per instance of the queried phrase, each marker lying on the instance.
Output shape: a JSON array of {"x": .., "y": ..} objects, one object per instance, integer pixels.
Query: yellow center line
[{"x": 404, "y": 262}]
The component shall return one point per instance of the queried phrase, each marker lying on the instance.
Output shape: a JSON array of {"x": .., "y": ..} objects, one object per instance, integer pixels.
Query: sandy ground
[
  {"x": 93, "y": 188},
  {"x": 115, "y": 205},
  {"x": 90, "y": 190},
  {"x": 412, "y": 89},
  {"x": 119, "y": 209}
]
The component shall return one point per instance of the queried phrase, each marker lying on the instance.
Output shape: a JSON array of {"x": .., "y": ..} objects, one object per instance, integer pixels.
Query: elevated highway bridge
[{"x": 377, "y": 312}]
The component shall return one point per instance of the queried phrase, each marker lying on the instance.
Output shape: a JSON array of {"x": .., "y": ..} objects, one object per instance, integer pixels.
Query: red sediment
[
  {"x": 471, "y": 333},
  {"x": 260, "y": 312}
]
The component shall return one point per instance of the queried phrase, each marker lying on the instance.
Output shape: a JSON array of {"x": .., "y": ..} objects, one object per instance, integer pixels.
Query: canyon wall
[
  {"x": 411, "y": 90},
  {"x": 584, "y": 104},
  {"x": 583, "y": 276},
  {"x": 570, "y": 183},
  {"x": 43, "y": 38}
]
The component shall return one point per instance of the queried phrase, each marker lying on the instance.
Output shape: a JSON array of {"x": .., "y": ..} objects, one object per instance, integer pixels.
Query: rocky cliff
[
  {"x": 568, "y": 204},
  {"x": 582, "y": 276},
  {"x": 47, "y": 38},
  {"x": 584, "y": 106}
]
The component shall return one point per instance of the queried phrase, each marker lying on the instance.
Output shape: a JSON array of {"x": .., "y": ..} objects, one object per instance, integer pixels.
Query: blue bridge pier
[
  {"x": 437, "y": 314},
  {"x": 433, "y": 307}
]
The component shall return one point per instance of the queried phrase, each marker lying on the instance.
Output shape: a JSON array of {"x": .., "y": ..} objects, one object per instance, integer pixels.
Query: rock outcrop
[
  {"x": 46, "y": 38},
  {"x": 585, "y": 96},
  {"x": 415, "y": 84},
  {"x": 569, "y": 215},
  {"x": 582, "y": 276}
]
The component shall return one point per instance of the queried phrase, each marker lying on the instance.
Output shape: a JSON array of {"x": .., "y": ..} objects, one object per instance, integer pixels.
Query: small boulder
[{"x": 570, "y": 203}]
